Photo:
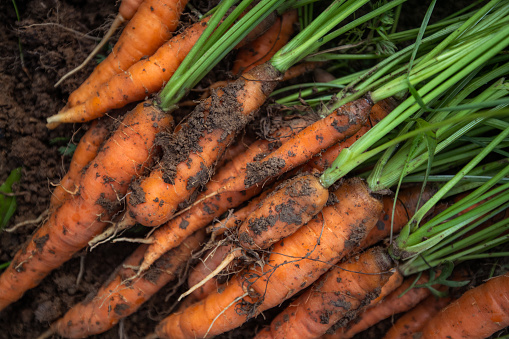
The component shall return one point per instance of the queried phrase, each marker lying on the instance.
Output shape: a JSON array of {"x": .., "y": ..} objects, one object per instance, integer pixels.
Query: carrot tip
[{"x": 52, "y": 125}]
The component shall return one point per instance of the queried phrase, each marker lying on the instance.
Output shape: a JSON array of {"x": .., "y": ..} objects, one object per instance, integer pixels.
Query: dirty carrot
[
  {"x": 394, "y": 303},
  {"x": 478, "y": 313},
  {"x": 120, "y": 297},
  {"x": 151, "y": 25},
  {"x": 125, "y": 12},
  {"x": 263, "y": 48},
  {"x": 135, "y": 83},
  {"x": 414, "y": 320},
  {"x": 294, "y": 263},
  {"x": 126, "y": 154},
  {"x": 336, "y": 295},
  {"x": 85, "y": 152},
  {"x": 208, "y": 208}
]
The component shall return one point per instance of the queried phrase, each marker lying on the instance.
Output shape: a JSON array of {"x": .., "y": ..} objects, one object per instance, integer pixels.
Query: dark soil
[{"x": 55, "y": 36}]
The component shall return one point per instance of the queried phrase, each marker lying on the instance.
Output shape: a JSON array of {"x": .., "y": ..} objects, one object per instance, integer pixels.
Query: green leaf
[{"x": 8, "y": 204}]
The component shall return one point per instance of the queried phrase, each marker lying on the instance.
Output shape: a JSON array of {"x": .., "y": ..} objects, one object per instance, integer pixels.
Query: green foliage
[{"x": 8, "y": 204}]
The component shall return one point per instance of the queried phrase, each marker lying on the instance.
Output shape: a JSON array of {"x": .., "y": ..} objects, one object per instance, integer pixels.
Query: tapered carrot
[
  {"x": 294, "y": 263},
  {"x": 125, "y": 12},
  {"x": 263, "y": 48},
  {"x": 135, "y": 83},
  {"x": 414, "y": 320},
  {"x": 85, "y": 152},
  {"x": 120, "y": 297},
  {"x": 208, "y": 208},
  {"x": 338, "y": 294},
  {"x": 394, "y": 303},
  {"x": 151, "y": 25},
  {"x": 478, "y": 313},
  {"x": 124, "y": 156}
]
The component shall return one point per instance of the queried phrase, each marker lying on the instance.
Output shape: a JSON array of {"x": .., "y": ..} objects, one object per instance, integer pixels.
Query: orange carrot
[
  {"x": 85, "y": 152},
  {"x": 415, "y": 319},
  {"x": 124, "y": 156},
  {"x": 119, "y": 297},
  {"x": 135, "y": 83},
  {"x": 336, "y": 295},
  {"x": 394, "y": 303},
  {"x": 208, "y": 208},
  {"x": 295, "y": 263},
  {"x": 151, "y": 25},
  {"x": 125, "y": 12},
  {"x": 478, "y": 313},
  {"x": 263, "y": 48}
]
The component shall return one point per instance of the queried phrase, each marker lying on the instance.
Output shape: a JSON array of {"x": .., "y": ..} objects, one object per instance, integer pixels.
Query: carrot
[
  {"x": 394, "y": 303},
  {"x": 415, "y": 319},
  {"x": 263, "y": 48},
  {"x": 337, "y": 295},
  {"x": 120, "y": 297},
  {"x": 295, "y": 263},
  {"x": 125, "y": 12},
  {"x": 208, "y": 208},
  {"x": 135, "y": 83},
  {"x": 85, "y": 152},
  {"x": 124, "y": 156},
  {"x": 478, "y": 313},
  {"x": 151, "y": 25}
]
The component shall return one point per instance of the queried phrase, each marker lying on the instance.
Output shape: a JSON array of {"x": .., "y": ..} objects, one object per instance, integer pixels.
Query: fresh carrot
[
  {"x": 135, "y": 83},
  {"x": 119, "y": 296},
  {"x": 394, "y": 303},
  {"x": 126, "y": 11},
  {"x": 124, "y": 156},
  {"x": 337, "y": 295},
  {"x": 85, "y": 152},
  {"x": 151, "y": 25},
  {"x": 478, "y": 313},
  {"x": 208, "y": 208},
  {"x": 414, "y": 320},
  {"x": 294, "y": 263},
  {"x": 263, "y": 48}
]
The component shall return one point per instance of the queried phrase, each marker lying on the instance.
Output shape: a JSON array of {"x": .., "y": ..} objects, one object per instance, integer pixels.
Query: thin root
[{"x": 28, "y": 222}]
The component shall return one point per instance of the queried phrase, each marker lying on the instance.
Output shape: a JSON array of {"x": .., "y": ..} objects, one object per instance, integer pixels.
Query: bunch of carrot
[{"x": 310, "y": 232}]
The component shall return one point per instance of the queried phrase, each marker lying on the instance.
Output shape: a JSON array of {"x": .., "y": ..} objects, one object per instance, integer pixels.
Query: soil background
[{"x": 55, "y": 36}]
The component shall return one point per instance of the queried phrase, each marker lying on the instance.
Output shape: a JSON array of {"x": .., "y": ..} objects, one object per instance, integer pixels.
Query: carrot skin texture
[
  {"x": 85, "y": 152},
  {"x": 415, "y": 319},
  {"x": 282, "y": 212},
  {"x": 125, "y": 155},
  {"x": 338, "y": 293},
  {"x": 117, "y": 299},
  {"x": 478, "y": 313},
  {"x": 329, "y": 236},
  {"x": 249, "y": 94},
  {"x": 137, "y": 82},
  {"x": 128, "y": 8},
  {"x": 151, "y": 25}
]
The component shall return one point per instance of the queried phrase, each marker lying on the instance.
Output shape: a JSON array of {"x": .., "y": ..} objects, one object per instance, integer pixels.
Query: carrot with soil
[
  {"x": 126, "y": 11},
  {"x": 336, "y": 296},
  {"x": 119, "y": 296},
  {"x": 151, "y": 25},
  {"x": 124, "y": 156},
  {"x": 294, "y": 263}
]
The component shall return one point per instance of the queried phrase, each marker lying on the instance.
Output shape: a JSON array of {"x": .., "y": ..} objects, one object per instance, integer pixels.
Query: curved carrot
[
  {"x": 338, "y": 293},
  {"x": 151, "y": 25},
  {"x": 208, "y": 208},
  {"x": 264, "y": 47},
  {"x": 394, "y": 303},
  {"x": 135, "y": 83},
  {"x": 120, "y": 296},
  {"x": 125, "y": 12},
  {"x": 85, "y": 152},
  {"x": 124, "y": 156},
  {"x": 295, "y": 263},
  {"x": 478, "y": 313},
  {"x": 415, "y": 319}
]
